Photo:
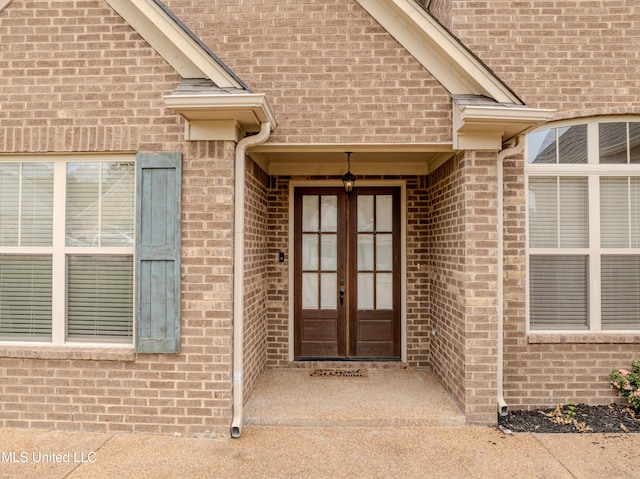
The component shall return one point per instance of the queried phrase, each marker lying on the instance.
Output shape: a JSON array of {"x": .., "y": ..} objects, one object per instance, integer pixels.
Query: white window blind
[
  {"x": 26, "y": 204},
  {"x": 558, "y": 212},
  {"x": 100, "y": 297},
  {"x": 620, "y": 292},
  {"x": 95, "y": 223},
  {"x": 620, "y": 212},
  {"x": 584, "y": 226},
  {"x": 558, "y": 292},
  {"x": 100, "y": 204},
  {"x": 25, "y": 296}
]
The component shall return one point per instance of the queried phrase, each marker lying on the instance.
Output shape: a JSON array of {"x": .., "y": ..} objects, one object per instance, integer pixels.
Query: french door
[{"x": 347, "y": 273}]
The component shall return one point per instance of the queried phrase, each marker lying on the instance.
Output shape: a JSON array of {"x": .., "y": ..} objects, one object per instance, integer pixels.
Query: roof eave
[
  {"x": 488, "y": 127},
  {"x": 180, "y": 47},
  {"x": 438, "y": 50},
  {"x": 221, "y": 116}
]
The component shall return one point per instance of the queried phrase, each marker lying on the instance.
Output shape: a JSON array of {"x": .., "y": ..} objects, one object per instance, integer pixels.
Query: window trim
[
  {"x": 59, "y": 251},
  {"x": 593, "y": 171}
]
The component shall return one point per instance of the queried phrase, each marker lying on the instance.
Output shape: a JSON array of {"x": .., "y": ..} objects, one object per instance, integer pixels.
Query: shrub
[{"x": 627, "y": 383}]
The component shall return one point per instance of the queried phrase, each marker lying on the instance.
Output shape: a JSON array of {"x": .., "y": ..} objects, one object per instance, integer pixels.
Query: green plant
[
  {"x": 570, "y": 413},
  {"x": 627, "y": 383}
]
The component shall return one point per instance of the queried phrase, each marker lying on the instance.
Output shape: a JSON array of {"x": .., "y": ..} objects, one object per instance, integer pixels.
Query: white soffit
[
  {"x": 455, "y": 67},
  {"x": 222, "y": 116},
  {"x": 486, "y": 125},
  {"x": 173, "y": 42}
]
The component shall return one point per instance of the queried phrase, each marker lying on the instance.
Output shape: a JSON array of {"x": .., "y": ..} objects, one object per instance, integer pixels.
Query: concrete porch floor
[{"x": 386, "y": 397}]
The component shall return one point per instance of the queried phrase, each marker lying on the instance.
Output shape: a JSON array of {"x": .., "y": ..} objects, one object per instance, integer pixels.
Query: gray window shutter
[{"x": 157, "y": 254}]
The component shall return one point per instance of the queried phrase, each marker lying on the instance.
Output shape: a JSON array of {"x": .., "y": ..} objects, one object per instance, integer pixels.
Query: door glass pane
[
  {"x": 329, "y": 208},
  {"x": 329, "y": 252},
  {"x": 365, "y": 252},
  {"x": 365, "y": 212},
  {"x": 328, "y": 288},
  {"x": 310, "y": 290},
  {"x": 310, "y": 252},
  {"x": 310, "y": 213},
  {"x": 365, "y": 290},
  {"x": 384, "y": 252},
  {"x": 384, "y": 213},
  {"x": 384, "y": 291}
]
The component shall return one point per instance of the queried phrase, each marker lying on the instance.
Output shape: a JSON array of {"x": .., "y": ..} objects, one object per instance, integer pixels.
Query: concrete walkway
[
  {"x": 392, "y": 424},
  {"x": 323, "y": 452}
]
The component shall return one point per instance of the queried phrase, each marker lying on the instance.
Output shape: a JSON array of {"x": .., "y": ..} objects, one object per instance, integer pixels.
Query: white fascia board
[
  {"x": 171, "y": 41},
  {"x": 487, "y": 127},
  {"x": 459, "y": 71},
  {"x": 206, "y": 113}
]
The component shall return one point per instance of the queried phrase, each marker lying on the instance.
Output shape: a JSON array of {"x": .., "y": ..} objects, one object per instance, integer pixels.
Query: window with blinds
[
  {"x": 84, "y": 247},
  {"x": 584, "y": 227}
]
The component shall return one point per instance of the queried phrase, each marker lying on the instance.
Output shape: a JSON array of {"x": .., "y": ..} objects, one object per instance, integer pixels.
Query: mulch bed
[{"x": 614, "y": 418}]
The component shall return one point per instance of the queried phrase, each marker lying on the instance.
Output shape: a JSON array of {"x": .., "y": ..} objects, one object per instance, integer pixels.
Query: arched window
[{"x": 583, "y": 183}]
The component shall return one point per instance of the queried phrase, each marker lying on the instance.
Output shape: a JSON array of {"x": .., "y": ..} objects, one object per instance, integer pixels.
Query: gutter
[
  {"x": 238, "y": 276},
  {"x": 503, "y": 408}
]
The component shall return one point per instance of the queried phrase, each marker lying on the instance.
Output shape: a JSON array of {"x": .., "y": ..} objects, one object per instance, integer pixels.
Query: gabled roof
[
  {"x": 215, "y": 102},
  {"x": 486, "y": 111},
  {"x": 458, "y": 69}
]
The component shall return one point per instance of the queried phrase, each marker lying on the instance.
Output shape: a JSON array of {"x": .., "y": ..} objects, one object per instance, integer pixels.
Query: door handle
[{"x": 341, "y": 296}]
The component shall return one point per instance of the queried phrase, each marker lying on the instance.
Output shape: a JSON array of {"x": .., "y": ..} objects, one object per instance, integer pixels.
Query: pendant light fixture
[{"x": 348, "y": 179}]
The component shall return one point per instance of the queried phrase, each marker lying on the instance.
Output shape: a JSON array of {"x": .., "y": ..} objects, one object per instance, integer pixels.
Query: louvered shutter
[{"x": 158, "y": 237}]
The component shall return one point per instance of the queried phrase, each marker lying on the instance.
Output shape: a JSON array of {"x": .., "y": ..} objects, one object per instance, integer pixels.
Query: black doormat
[{"x": 338, "y": 373}]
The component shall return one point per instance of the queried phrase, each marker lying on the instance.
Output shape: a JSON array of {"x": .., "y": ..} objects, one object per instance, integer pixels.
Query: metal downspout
[
  {"x": 503, "y": 408},
  {"x": 238, "y": 275}
]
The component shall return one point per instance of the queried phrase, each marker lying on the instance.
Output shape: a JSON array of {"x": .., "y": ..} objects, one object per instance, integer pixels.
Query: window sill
[
  {"x": 584, "y": 338},
  {"x": 66, "y": 352}
]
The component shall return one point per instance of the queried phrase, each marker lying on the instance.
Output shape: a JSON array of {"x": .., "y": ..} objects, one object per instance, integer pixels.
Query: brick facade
[
  {"x": 77, "y": 79},
  {"x": 463, "y": 244},
  {"x": 332, "y": 73}
]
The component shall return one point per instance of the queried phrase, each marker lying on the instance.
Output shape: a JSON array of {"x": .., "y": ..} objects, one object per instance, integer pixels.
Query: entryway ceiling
[{"x": 365, "y": 160}]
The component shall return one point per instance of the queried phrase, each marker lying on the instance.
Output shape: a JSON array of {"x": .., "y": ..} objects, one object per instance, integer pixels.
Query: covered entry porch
[{"x": 381, "y": 395}]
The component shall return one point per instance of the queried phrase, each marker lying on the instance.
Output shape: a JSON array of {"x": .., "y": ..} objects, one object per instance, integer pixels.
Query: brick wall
[
  {"x": 463, "y": 242},
  {"x": 76, "y": 78},
  {"x": 417, "y": 313},
  {"x": 579, "y": 57},
  {"x": 330, "y": 71},
  {"x": 545, "y": 370},
  {"x": 256, "y": 263},
  {"x": 278, "y": 273}
]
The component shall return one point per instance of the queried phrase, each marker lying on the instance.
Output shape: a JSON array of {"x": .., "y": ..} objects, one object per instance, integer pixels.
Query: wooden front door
[{"x": 347, "y": 273}]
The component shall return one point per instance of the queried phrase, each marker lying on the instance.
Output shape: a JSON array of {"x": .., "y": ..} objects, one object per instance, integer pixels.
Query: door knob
[{"x": 341, "y": 296}]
